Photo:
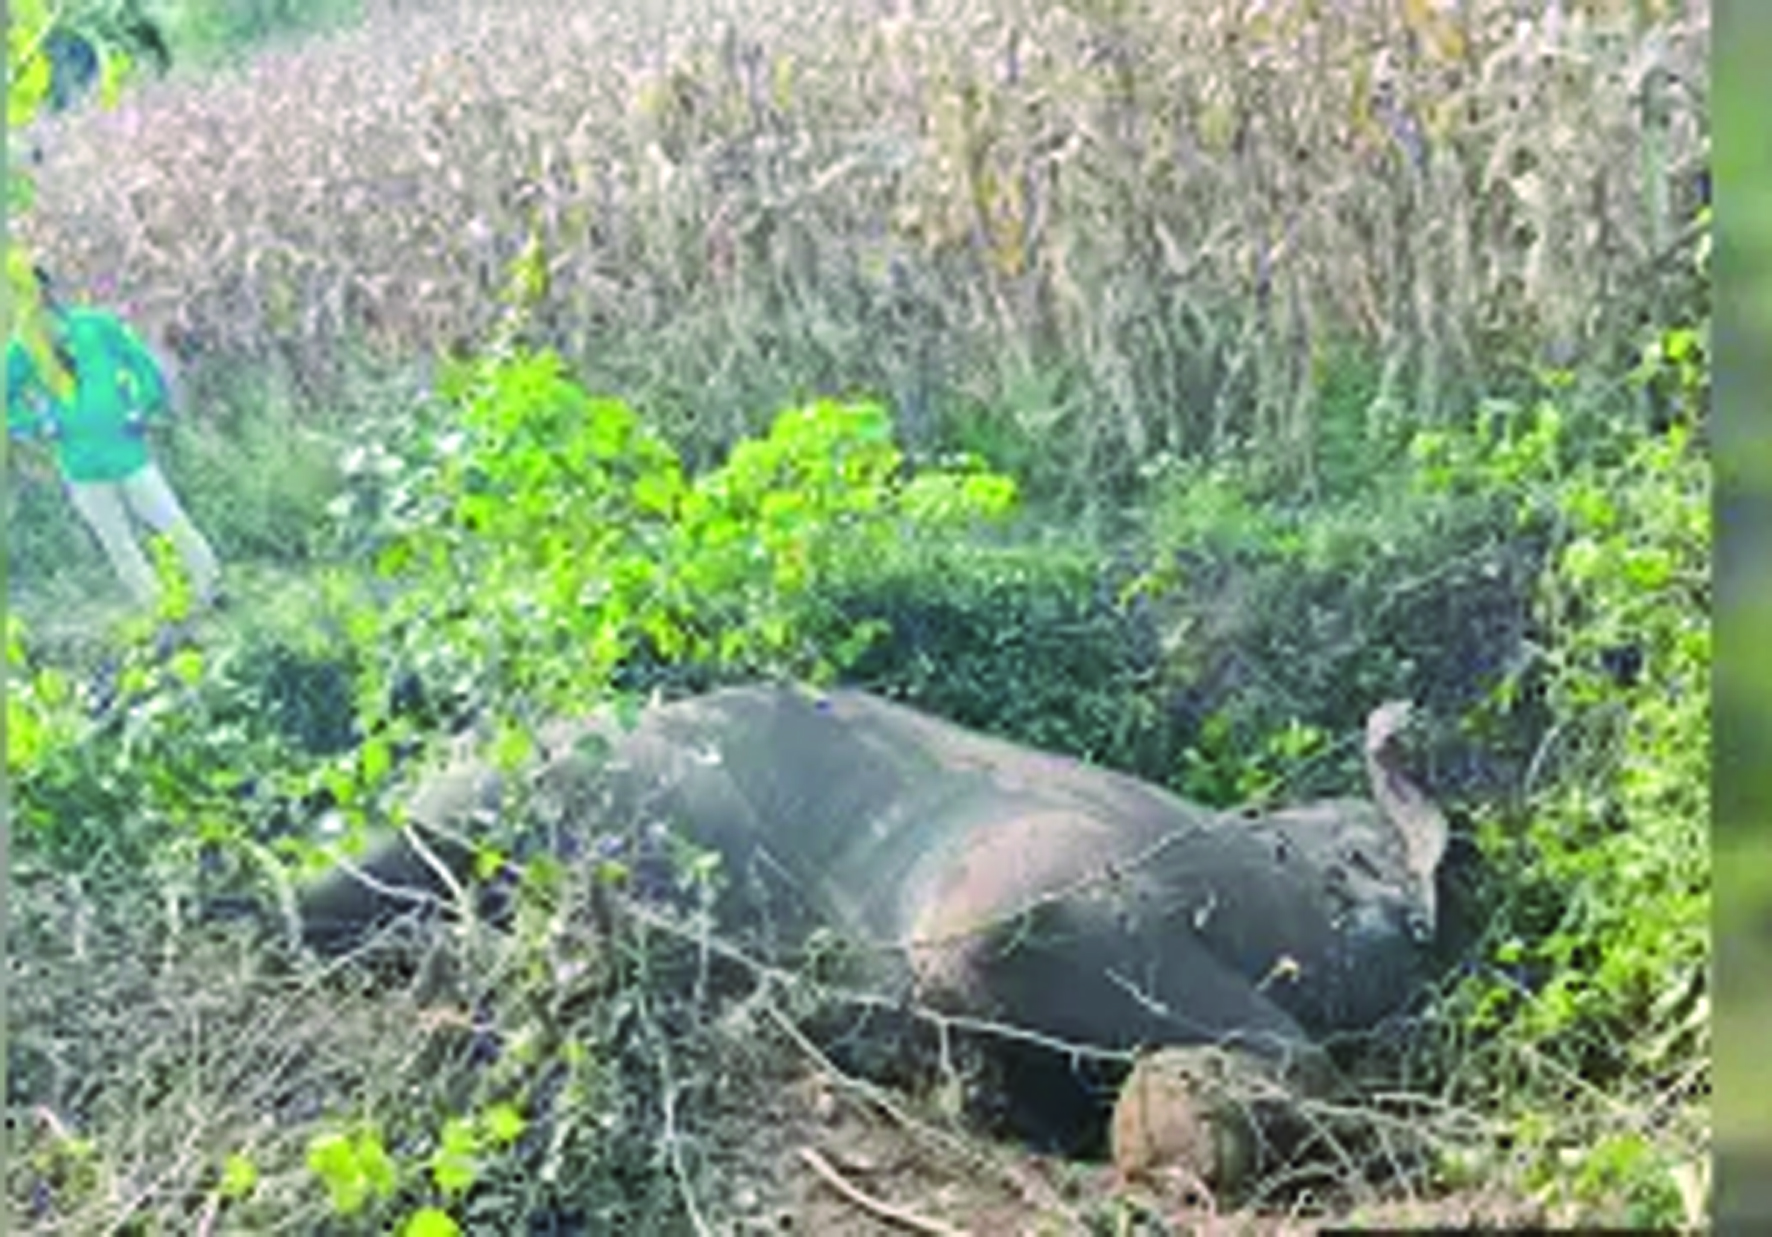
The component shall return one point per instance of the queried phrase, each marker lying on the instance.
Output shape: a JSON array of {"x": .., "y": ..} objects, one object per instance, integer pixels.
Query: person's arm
[
  {"x": 153, "y": 394},
  {"x": 25, "y": 396},
  {"x": 171, "y": 377}
]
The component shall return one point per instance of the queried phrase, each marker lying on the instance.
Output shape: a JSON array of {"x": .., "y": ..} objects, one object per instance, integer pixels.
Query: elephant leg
[
  {"x": 1070, "y": 971},
  {"x": 1211, "y": 1117}
]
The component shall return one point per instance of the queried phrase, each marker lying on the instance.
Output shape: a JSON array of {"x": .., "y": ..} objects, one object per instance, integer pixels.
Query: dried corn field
[{"x": 1118, "y": 226}]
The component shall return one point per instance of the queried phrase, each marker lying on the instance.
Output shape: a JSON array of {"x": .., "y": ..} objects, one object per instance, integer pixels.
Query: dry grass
[
  {"x": 150, "y": 1056},
  {"x": 1125, "y": 226}
]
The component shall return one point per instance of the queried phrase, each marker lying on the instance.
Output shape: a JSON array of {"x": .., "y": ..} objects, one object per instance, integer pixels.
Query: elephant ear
[{"x": 1410, "y": 812}]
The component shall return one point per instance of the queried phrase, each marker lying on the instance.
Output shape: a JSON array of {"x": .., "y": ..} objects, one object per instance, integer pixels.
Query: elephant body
[{"x": 992, "y": 879}]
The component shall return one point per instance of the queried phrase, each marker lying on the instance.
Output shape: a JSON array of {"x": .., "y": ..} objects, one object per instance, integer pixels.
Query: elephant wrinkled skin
[{"x": 1062, "y": 898}]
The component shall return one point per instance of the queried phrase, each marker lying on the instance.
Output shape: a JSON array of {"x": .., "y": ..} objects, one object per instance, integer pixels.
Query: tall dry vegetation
[{"x": 1109, "y": 227}]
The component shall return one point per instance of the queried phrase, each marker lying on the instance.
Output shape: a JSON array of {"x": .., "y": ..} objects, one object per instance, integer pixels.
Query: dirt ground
[
  {"x": 801, "y": 1149},
  {"x": 812, "y": 1153},
  {"x": 781, "y": 1141}
]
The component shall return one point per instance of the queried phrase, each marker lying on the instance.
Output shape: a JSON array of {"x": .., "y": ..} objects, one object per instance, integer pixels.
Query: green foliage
[
  {"x": 1601, "y": 939},
  {"x": 1542, "y": 579},
  {"x": 1360, "y": 427},
  {"x": 584, "y": 546},
  {"x": 67, "y": 1164},
  {"x": 354, "y": 1166},
  {"x": 30, "y": 82},
  {"x": 38, "y": 719},
  {"x": 584, "y": 542},
  {"x": 1277, "y": 613},
  {"x": 150, "y": 756},
  {"x": 430, "y": 1222},
  {"x": 1222, "y": 770},
  {"x": 1216, "y": 509},
  {"x": 55, "y": 53},
  {"x": 1626, "y": 1174},
  {"x": 216, "y": 30},
  {"x": 239, "y": 1177},
  {"x": 359, "y": 1173},
  {"x": 1028, "y": 641},
  {"x": 110, "y": 40},
  {"x": 1625, "y": 598},
  {"x": 114, "y": 791},
  {"x": 28, "y": 70},
  {"x": 463, "y": 1143}
]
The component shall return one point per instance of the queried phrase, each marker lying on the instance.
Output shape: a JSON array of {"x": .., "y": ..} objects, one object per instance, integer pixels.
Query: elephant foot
[{"x": 1204, "y": 1116}]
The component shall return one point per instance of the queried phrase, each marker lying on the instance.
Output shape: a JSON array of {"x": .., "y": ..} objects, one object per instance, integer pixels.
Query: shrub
[
  {"x": 1597, "y": 952},
  {"x": 582, "y": 539},
  {"x": 1278, "y": 613},
  {"x": 1029, "y": 641}
]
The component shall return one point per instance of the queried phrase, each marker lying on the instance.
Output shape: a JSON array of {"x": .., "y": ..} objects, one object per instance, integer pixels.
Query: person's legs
[
  {"x": 101, "y": 504},
  {"x": 152, "y": 499}
]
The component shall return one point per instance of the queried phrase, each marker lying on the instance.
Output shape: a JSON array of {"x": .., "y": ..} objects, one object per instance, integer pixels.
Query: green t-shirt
[{"x": 116, "y": 379}]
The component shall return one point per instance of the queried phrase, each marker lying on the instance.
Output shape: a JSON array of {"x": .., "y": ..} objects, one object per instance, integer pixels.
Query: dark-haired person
[
  {"x": 98, "y": 427},
  {"x": 76, "y": 54},
  {"x": 73, "y": 67}
]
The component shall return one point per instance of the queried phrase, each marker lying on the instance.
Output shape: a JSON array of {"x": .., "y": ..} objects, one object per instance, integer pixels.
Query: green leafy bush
[
  {"x": 1276, "y": 613},
  {"x": 1616, "y": 812},
  {"x": 1028, "y": 641},
  {"x": 583, "y": 545},
  {"x": 583, "y": 541},
  {"x": 1598, "y": 949}
]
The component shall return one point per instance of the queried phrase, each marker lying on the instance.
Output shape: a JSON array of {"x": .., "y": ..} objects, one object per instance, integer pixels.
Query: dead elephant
[{"x": 1071, "y": 901}]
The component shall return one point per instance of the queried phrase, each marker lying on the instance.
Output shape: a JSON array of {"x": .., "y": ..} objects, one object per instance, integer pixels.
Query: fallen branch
[{"x": 874, "y": 1206}]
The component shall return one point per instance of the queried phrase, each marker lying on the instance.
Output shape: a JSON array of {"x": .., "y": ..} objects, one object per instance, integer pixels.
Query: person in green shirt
[{"x": 98, "y": 428}]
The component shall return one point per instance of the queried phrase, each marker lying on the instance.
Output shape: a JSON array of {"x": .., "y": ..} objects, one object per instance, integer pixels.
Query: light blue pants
[{"x": 107, "y": 507}]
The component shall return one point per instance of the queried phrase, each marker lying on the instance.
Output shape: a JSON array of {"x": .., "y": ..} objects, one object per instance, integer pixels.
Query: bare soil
[{"x": 801, "y": 1149}]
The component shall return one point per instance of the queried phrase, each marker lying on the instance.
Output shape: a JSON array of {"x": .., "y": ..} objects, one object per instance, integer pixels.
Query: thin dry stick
[
  {"x": 211, "y": 1210},
  {"x": 874, "y": 1206},
  {"x": 673, "y": 1134},
  {"x": 674, "y": 1140},
  {"x": 873, "y": 1000}
]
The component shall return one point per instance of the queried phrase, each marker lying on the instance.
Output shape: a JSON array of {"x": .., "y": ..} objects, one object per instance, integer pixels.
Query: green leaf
[
  {"x": 332, "y": 1158},
  {"x": 992, "y": 496},
  {"x": 1648, "y": 568},
  {"x": 658, "y": 491},
  {"x": 378, "y": 1170},
  {"x": 512, "y": 748},
  {"x": 610, "y": 426},
  {"x": 488, "y": 862},
  {"x": 503, "y": 1123},
  {"x": 430, "y": 1222},
  {"x": 114, "y": 66},
  {"x": 454, "y": 1166},
  {"x": 376, "y": 760},
  {"x": 21, "y": 192},
  {"x": 28, "y": 87},
  {"x": 239, "y": 1176}
]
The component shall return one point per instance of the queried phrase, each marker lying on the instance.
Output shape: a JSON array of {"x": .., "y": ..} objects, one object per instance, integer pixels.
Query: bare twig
[{"x": 900, "y": 1216}]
